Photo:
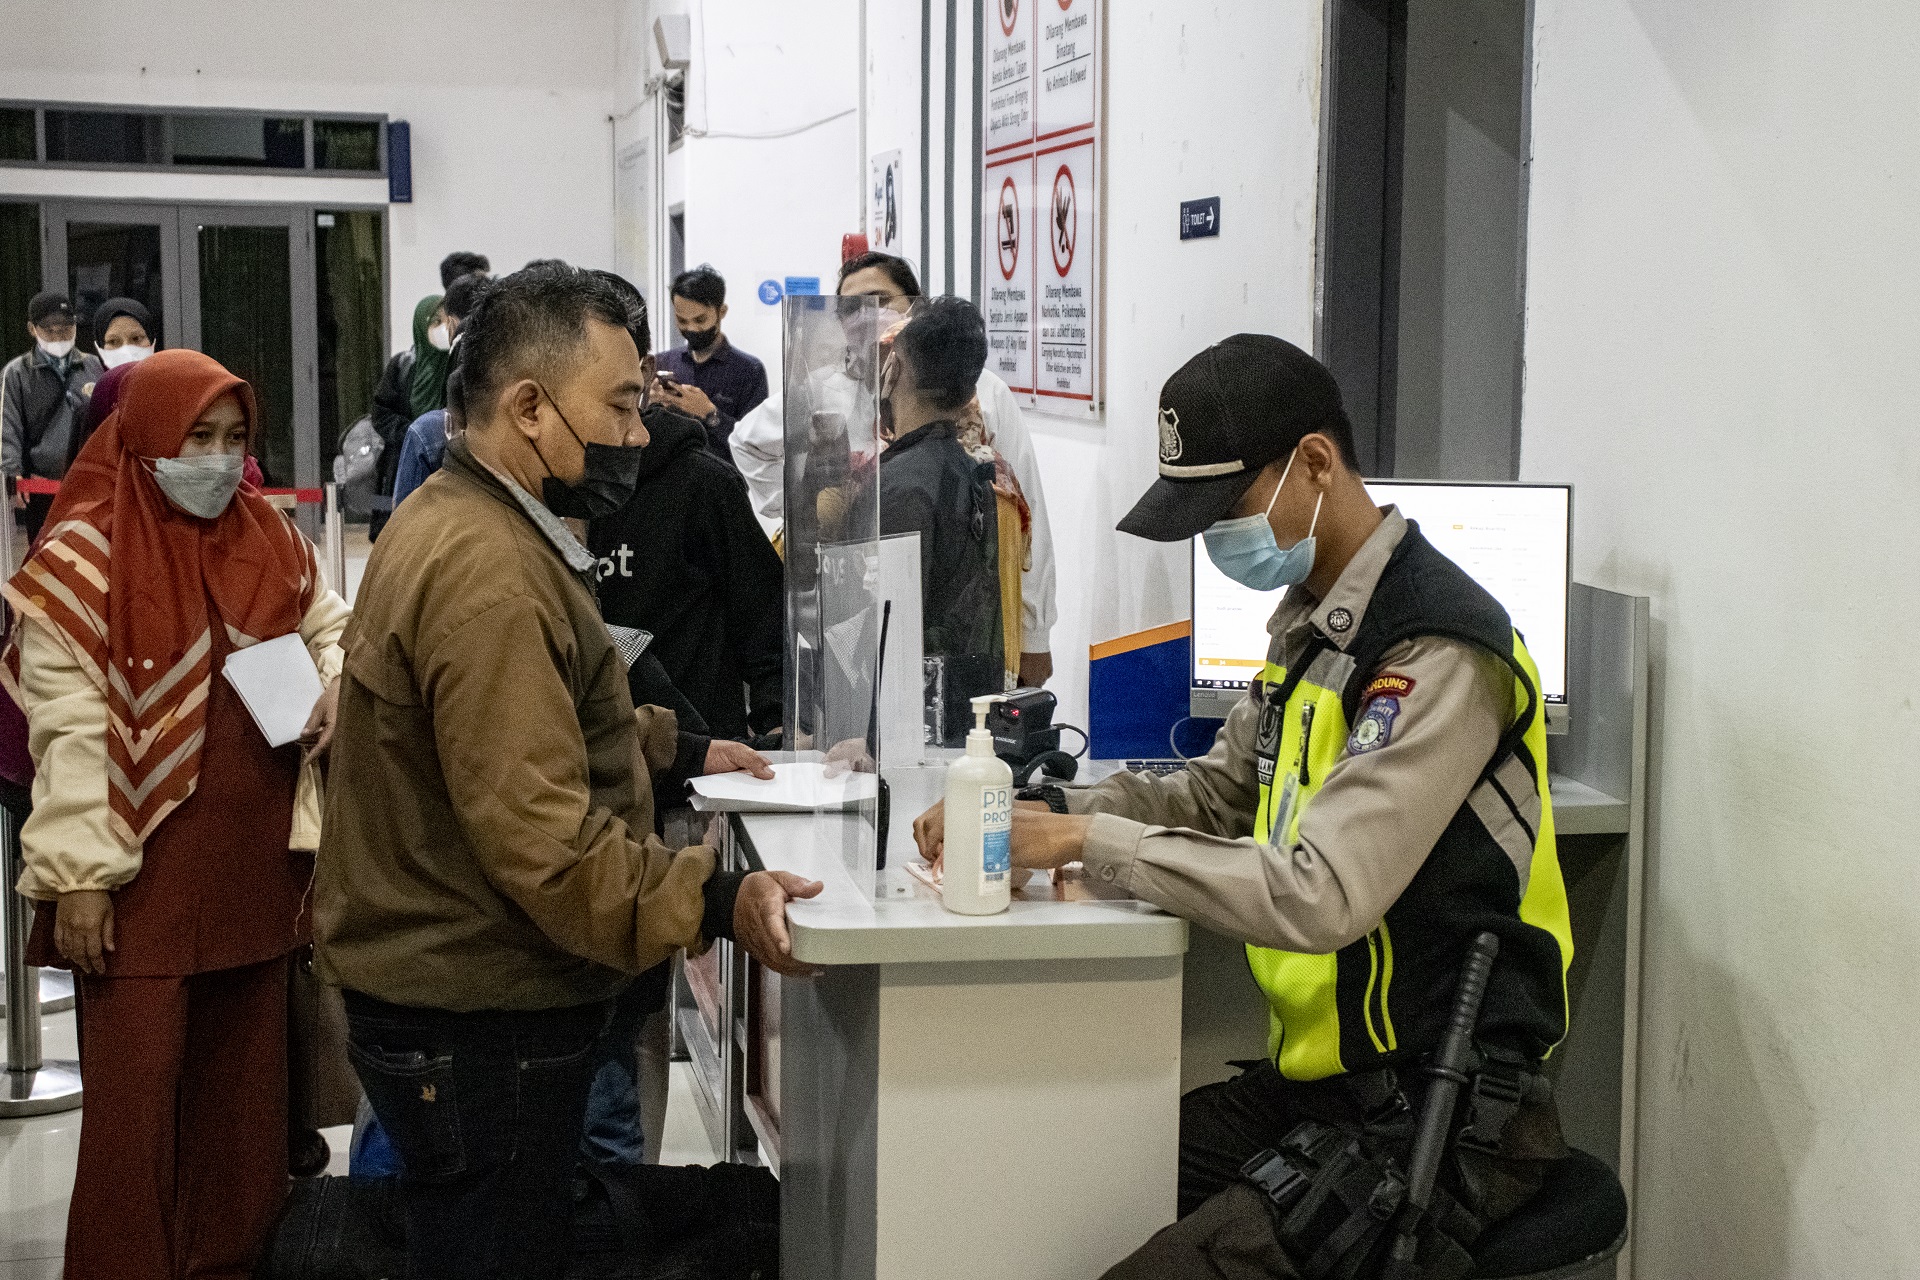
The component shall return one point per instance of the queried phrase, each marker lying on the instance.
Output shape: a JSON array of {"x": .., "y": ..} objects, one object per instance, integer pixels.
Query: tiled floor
[{"x": 36, "y": 1166}]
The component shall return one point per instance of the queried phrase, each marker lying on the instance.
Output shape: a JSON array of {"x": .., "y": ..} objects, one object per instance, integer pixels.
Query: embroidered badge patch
[
  {"x": 1170, "y": 445},
  {"x": 1390, "y": 683},
  {"x": 1375, "y": 727}
]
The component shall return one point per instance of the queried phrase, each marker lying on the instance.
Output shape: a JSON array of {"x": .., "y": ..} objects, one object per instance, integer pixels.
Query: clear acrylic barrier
[{"x": 835, "y": 617}]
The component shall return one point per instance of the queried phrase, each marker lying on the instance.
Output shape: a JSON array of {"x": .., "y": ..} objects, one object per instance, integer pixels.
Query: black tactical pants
[
  {"x": 1225, "y": 1230},
  {"x": 1224, "y": 1125}
]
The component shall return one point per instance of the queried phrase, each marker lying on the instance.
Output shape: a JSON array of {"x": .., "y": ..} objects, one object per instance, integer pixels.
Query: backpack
[{"x": 357, "y": 467}]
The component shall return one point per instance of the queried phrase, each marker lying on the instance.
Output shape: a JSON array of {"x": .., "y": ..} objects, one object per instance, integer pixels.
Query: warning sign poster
[
  {"x": 1064, "y": 365},
  {"x": 1040, "y": 193},
  {"x": 1006, "y": 271}
]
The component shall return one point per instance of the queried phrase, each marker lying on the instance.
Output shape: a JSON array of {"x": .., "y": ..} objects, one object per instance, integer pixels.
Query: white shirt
[{"x": 759, "y": 449}]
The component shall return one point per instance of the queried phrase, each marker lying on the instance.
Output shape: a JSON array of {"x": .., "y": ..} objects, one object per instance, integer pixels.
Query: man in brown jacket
[{"x": 489, "y": 878}]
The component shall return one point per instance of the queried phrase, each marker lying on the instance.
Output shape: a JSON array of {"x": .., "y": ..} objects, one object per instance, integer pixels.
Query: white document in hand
[
  {"x": 279, "y": 683},
  {"x": 798, "y": 786}
]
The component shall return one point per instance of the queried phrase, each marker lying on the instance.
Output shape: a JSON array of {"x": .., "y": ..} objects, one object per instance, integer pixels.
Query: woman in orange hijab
[{"x": 169, "y": 845}]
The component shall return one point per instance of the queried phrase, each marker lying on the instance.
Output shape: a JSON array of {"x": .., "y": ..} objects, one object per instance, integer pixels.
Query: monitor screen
[{"x": 1512, "y": 538}]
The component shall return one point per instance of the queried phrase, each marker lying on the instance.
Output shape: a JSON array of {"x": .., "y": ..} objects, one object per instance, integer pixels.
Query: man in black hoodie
[{"x": 686, "y": 561}]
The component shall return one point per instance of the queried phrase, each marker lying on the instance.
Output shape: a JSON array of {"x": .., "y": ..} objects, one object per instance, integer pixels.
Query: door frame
[
  {"x": 303, "y": 298},
  {"x": 56, "y": 214},
  {"x": 180, "y": 223}
]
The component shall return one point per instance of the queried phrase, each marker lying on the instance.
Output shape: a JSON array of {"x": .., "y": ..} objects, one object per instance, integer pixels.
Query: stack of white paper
[
  {"x": 797, "y": 787},
  {"x": 279, "y": 683}
]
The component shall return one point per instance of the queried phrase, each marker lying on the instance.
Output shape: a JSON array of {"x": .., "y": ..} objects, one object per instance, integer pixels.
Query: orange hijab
[{"x": 132, "y": 583}]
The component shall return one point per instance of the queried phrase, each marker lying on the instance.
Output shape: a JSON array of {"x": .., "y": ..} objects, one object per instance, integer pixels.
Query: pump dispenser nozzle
[{"x": 980, "y": 738}]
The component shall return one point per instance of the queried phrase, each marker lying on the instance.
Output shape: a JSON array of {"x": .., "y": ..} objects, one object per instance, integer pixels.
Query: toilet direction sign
[{"x": 1200, "y": 218}]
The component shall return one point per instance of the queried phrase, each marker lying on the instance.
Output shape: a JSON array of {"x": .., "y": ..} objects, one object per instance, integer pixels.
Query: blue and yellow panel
[{"x": 1138, "y": 689}]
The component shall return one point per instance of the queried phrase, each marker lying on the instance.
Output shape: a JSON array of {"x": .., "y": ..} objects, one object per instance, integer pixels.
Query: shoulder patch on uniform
[
  {"x": 1374, "y": 729},
  {"x": 1389, "y": 684}
]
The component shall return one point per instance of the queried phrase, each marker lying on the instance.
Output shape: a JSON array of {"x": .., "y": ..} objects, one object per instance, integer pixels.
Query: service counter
[{"x": 951, "y": 1095}]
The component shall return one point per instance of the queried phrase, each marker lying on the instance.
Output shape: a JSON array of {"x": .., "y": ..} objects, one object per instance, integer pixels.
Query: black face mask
[
  {"x": 607, "y": 485},
  {"x": 701, "y": 339}
]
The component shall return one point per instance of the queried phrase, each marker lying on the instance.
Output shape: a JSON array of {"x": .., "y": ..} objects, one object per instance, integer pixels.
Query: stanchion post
[
  {"x": 32, "y": 1085},
  {"x": 334, "y": 532},
  {"x": 56, "y": 988}
]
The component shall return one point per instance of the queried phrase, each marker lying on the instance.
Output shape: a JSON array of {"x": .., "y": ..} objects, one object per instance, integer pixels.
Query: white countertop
[{"x": 904, "y": 921}]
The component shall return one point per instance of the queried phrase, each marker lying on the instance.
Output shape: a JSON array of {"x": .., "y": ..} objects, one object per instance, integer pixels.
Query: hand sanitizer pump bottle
[{"x": 977, "y": 868}]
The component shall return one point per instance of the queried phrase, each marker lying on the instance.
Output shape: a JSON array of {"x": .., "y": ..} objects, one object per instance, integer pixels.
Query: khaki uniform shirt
[{"x": 1185, "y": 842}]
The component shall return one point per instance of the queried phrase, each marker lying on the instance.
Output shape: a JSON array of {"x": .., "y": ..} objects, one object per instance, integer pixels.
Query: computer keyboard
[{"x": 1159, "y": 768}]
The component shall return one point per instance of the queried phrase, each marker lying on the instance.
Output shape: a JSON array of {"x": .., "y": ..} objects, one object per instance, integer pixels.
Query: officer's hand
[
  {"x": 726, "y": 756},
  {"x": 83, "y": 929},
  {"x": 930, "y": 830},
  {"x": 760, "y": 918},
  {"x": 1047, "y": 841}
]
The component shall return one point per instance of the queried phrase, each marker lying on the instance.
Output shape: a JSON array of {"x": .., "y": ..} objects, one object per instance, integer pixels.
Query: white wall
[
  {"x": 1720, "y": 355},
  {"x": 761, "y": 208},
  {"x": 508, "y": 104},
  {"x": 1255, "y": 64}
]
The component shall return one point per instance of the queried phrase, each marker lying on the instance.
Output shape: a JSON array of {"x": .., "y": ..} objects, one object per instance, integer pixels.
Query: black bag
[
  {"x": 652, "y": 1222},
  {"x": 337, "y": 1229},
  {"x": 676, "y": 1222}
]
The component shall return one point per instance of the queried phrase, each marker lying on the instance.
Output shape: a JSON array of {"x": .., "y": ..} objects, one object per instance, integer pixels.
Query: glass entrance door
[
  {"x": 236, "y": 282},
  {"x": 118, "y": 251},
  {"x": 242, "y": 270}
]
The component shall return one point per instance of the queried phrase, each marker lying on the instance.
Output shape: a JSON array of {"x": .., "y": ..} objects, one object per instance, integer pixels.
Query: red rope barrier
[{"x": 36, "y": 484}]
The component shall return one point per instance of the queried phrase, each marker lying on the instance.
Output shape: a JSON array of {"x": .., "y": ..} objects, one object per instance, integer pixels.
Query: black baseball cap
[
  {"x": 1224, "y": 415},
  {"x": 49, "y": 306}
]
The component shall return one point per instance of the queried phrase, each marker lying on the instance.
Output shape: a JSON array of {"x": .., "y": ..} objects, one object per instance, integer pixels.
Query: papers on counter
[
  {"x": 279, "y": 683},
  {"x": 796, "y": 787}
]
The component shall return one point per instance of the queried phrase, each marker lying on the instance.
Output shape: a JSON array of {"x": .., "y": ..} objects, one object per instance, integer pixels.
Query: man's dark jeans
[{"x": 485, "y": 1110}]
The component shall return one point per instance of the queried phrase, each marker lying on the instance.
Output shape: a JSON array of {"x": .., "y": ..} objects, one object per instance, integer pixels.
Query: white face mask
[
  {"x": 201, "y": 486},
  {"x": 439, "y": 337},
  {"x": 126, "y": 353},
  {"x": 56, "y": 350}
]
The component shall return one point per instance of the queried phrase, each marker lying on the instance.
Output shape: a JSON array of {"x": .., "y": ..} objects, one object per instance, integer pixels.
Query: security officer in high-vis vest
[{"x": 1376, "y": 801}]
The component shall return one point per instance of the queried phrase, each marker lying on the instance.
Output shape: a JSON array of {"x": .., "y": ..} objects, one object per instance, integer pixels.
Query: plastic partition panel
[{"x": 835, "y": 616}]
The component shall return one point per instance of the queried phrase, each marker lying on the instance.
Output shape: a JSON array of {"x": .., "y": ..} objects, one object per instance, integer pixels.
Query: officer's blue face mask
[{"x": 1245, "y": 550}]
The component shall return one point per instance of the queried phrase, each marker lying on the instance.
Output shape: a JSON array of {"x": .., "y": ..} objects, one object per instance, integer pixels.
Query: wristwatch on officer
[{"x": 1055, "y": 797}]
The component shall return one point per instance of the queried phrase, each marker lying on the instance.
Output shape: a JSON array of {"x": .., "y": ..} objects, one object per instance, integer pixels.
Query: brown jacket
[{"x": 488, "y": 838}]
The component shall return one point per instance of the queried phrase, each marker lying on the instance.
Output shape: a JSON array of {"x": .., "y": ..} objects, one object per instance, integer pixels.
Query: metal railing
[{"x": 32, "y": 1085}]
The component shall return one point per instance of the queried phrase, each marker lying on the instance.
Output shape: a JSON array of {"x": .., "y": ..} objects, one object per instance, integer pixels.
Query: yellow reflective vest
[{"x": 1384, "y": 998}]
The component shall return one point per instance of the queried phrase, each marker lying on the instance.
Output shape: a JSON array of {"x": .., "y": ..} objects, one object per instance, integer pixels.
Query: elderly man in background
[
  {"x": 489, "y": 880},
  {"x": 43, "y": 395}
]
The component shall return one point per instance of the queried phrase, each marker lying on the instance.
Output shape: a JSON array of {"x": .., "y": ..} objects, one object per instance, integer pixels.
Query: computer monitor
[{"x": 1512, "y": 538}]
